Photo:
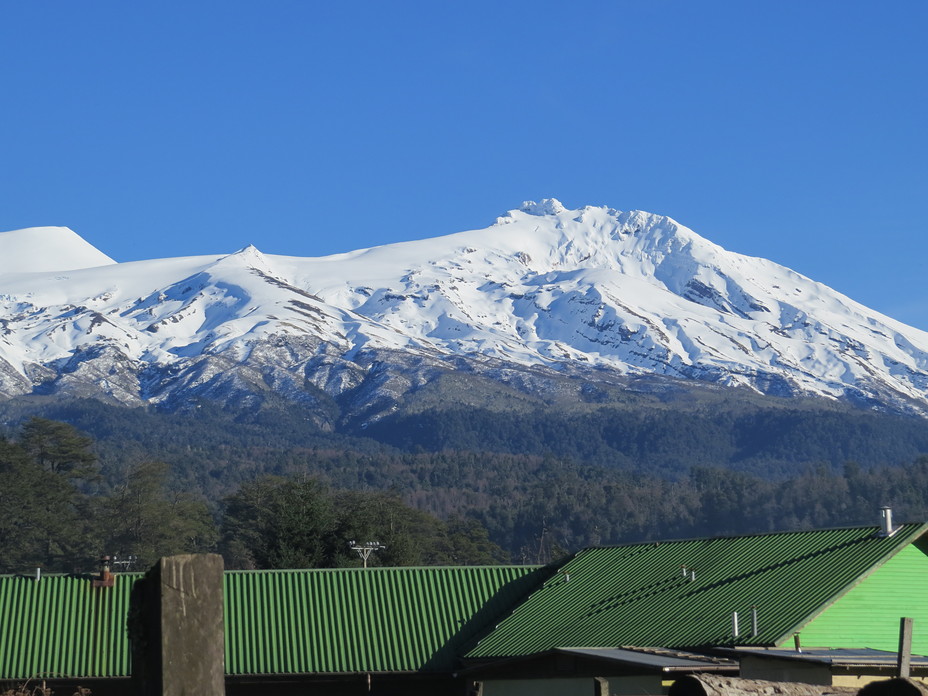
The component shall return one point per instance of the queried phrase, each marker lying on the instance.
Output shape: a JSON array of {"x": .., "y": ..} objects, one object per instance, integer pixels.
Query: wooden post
[
  {"x": 905, "y": 648},
  {"x": 176, "y": 628}
]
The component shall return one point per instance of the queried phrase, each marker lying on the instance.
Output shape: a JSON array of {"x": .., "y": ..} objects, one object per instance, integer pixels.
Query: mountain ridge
[{"x": 585, "y": 292}]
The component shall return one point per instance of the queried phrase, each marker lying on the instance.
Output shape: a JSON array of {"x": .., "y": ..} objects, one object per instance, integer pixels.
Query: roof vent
[{"x": 886, "y": 522}]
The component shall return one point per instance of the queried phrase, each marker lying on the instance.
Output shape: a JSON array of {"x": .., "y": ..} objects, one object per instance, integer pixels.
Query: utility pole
[{"x": 365, "y": 549}]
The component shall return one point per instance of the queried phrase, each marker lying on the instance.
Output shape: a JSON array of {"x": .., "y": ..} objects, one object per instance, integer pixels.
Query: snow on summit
[
  {"x": 630, "y": 293},
  {"x": 40, "y": 249}
]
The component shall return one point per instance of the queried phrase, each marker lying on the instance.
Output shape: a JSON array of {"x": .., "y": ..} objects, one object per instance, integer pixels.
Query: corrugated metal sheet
[
  {"x": 420, "y": 619},
  {"x": 62, "y": 626},
  {"x": 638, "y": 594},
  {"x": 277, "y": 622},
  {"x": 374, "y": 620}
]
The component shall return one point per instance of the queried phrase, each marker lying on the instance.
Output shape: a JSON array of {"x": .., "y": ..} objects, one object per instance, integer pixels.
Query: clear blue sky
[{"x": 790, "y": 130}]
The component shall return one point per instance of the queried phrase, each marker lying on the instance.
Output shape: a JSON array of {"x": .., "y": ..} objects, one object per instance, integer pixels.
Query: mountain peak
[
  {"x": 246, "y": 257},
  {"x": 47, "y": 249},
  {"x": 250, "y": 250},
  {"x": 546, "y": 206}
]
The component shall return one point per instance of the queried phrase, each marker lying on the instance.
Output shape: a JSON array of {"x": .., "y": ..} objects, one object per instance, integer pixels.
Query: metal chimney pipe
[
  {"x": 734, "y": 624},
  {"x": 886, "y": 521}
]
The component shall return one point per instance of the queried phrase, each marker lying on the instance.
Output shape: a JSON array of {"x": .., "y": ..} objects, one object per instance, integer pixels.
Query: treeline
[
  {"x": 565, "y": 510},
  {"x": 61, "y": 510},
  {"x": 62, "y": 504},
  {"x": 275, "y": 522}
]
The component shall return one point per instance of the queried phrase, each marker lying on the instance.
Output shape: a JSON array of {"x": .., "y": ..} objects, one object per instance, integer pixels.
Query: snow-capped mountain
[{"x": 592, "y": 292}]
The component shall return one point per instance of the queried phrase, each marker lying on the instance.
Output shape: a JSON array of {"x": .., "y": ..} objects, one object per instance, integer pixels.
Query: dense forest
[
  {"x": 146, "y": 485},
  {"x": 773, "y": 442},
  {"x": 60, "y": 513},
  {"x": 215, "y": 450}
]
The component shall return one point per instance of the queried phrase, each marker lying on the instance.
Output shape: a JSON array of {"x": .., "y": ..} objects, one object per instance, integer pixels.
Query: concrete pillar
[{"x": 176, "y": 628}]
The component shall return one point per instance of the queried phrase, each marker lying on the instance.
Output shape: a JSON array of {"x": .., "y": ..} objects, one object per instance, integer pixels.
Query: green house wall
[{"x": 868, "y": 615}]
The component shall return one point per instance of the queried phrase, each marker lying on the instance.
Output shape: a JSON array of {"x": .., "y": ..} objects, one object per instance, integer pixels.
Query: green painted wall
[{"x": 868, "y": 615}]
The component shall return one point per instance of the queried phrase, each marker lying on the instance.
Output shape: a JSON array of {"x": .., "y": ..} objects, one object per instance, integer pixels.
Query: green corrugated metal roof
[
  {"x": 61, "y": 626},
  {"x": 638, "y": 595},
  {"x": 374, "y": 620},
  {"x": 277, "y": 622},
  {"x": 421, "y": 619}
]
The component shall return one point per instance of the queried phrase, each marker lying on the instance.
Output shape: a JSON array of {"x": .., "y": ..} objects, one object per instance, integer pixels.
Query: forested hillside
[
  {"x": 772, "y": 442},
  {"x": 271, "y": 491}
]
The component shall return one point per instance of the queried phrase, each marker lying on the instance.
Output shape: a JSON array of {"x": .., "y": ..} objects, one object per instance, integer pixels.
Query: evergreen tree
[
  {"x": 44, "y": 518},
  {"x": 143, "y": 517},
  {"x": 273, "y": 522},
  {"x": 59, "y": 448}
]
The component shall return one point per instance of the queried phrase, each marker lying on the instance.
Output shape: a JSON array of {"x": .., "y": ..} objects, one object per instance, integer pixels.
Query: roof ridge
[
  {"x": 681, "y": 540},
  {"x": 382, "y": 569}
]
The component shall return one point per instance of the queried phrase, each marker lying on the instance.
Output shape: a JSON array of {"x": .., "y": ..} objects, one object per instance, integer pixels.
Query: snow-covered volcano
[{"x": 592, "y": 291}]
